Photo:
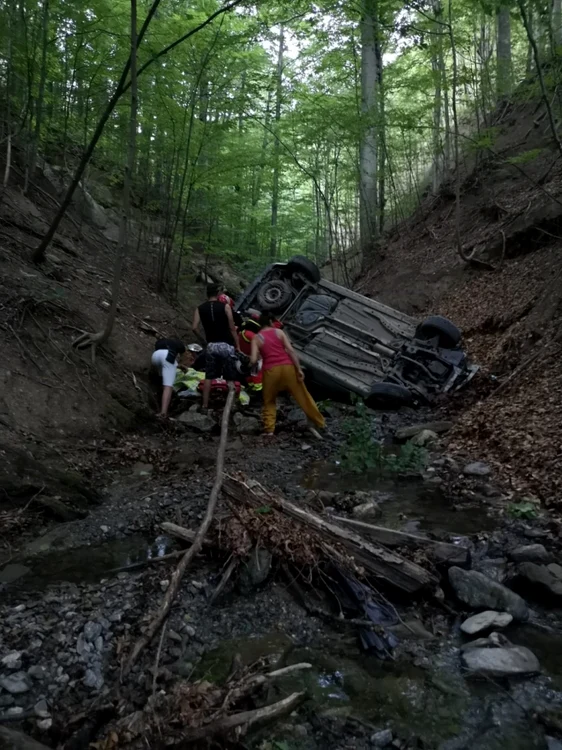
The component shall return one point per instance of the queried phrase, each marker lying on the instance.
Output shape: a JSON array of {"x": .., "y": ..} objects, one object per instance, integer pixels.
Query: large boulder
[
  {"x": 534, "y": 553},
  {"x": 196, "y": 421},
  {"x": 511, "y": 661},
  {"x": 540, "y": 582},
  {"x": 479, "y": 592}
]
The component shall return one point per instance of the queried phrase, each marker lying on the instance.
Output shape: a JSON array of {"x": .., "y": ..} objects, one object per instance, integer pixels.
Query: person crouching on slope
[
  {"x": 165, "y": 359},
  {"x": 281, "y": 372}
]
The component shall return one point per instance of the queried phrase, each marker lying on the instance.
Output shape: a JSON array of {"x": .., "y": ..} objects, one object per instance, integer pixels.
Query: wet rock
[
  {"x": 501, "y": 662},
  {"x": 15, "y": 683},
  {"x": 444, "y": 554},
  {"x": 553, "y": 744},
  {"x": 12, "y": 660},
  {"x": 477, "y": 469},
  {"x": 366, "y": 511},
  {"x": 295, "y": 416},
  {"x": 540, "y": 581},
  {"x": 382, "y": 738},
  {"x": 6, "y": 700},
  {"x": 12, "y": 572},
  {"x": 198, "y": 422},
  {"x": 37, "y": 672},
  {"x": 93, "y": 679},
  {"x": 44, "y": 724},
  {"x": 12, "y": 740},
  {"x": 534, "y": 553},
  {"x": 494, "y": 568},
  {"x": 92, "y": 630},
  {"x": 425, "y": 437},
  {"x": 246, "y": 425},
  {"x": 556, "y": 570},
  {"x": 485, "y": 621},
  {"x": 413, "y": 630},
  {"x": 477, "y": 591},
  {"x": 41, "y": 709}
]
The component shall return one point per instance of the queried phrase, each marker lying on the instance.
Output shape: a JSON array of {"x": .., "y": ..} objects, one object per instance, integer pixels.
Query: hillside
[{"x": 511, "y": 215}]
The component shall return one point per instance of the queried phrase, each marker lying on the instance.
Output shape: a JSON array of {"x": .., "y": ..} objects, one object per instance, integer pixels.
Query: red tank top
[{"x": 272, "y": 350}]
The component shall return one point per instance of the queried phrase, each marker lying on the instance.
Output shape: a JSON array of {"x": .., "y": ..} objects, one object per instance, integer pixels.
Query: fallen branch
[
  {"x": 177, "y": 575},
  {"x": 244, "y": 719}
]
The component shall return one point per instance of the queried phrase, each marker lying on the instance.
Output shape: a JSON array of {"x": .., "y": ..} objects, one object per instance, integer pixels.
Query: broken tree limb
[
  {"x": 445, "y": 551},
  {"x": 179, "y": 532},
  {"x": 335, "y": 541},
  {"x": 178, "y": 573},
  {"x": 243, "y": 719}
]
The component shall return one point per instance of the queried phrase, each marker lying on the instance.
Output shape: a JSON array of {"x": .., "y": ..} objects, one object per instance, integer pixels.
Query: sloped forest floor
[{"x": 508, "y": 302}]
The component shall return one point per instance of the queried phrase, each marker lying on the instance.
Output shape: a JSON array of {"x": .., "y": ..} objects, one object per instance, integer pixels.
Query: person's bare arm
[
  {"x": 255, "y": 353},
  {"x": 233, "y": 331},
  {"x": 195, "y": 326},
  {"x": 292, "y": 353}
]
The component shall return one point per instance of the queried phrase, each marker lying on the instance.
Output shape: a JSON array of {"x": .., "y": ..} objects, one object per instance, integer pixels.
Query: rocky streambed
[{"x": 477, "y": 664}]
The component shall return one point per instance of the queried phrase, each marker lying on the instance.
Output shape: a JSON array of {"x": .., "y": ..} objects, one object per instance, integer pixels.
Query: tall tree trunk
[
  {"x": 95, "y": 339},
  {"x": 503, "y": 54},
  {"x": 557, "y": 26},
  {"x": 530, "y": 58},
  {"x": 381, "y": 140},
  {"x": 276, "y": 147},
  {"x": 40, "y": 98},
  {"x": 368, "y": 149},
  {"x": 437, "y": 65},
  {"x": 8, "y": 116}
]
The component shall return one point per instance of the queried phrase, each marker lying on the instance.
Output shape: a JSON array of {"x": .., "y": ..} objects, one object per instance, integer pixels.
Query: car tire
[
  {"x": 274, "y": 295},
  {"x": 436, "y": 326},
  {"x": 388, "y": 396},
  {"x": 300, "y": 264}
]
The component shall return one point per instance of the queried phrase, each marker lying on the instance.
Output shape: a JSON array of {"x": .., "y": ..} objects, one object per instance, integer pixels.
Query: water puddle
[
  {"x": 402, "y": 501},
  {"x": 83, "y": 564}
]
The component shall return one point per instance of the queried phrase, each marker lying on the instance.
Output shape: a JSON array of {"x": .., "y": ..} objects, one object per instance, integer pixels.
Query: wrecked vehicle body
[{"x": 349, "y": 343}]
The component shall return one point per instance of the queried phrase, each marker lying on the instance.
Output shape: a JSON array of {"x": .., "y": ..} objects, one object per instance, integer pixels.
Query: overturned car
[{"x": 350, "y": 343}]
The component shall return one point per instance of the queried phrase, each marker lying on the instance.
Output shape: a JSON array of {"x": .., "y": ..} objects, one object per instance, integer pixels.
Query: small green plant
[
  {"x": 525, "y": 156},
  {"x": 525, "y": 509},
  {"x": 361, "y": 453},
  {"x": 325, "y": 404}
]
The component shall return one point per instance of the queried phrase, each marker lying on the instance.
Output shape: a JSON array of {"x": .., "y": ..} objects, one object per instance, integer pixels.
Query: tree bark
[
  {"x": 368, "y": 149},
  {"x": 276, "y": 148},
  {"x": 557, "y": 26},
  {"x": 40, "y": 98},
  {"x": 503, "y": 54}
]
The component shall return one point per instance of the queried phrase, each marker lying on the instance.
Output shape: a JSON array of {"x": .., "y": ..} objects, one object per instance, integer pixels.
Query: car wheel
[
  {"x": 388, "y": 396},
  {"x": 274, "y": 295},
  {"x": 300, "y": 264},
  {"x": 446, "y": 333}
]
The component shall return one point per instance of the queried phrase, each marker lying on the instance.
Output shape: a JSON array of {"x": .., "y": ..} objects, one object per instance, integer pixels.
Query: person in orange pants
[{"x": 281, "y": 372}]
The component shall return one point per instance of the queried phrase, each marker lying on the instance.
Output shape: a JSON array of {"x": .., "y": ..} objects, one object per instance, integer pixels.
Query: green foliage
[
  {"x": 362, "y": 453},
  {"x": 525, "y": 509},
  {"x": 525, "y": 156}
]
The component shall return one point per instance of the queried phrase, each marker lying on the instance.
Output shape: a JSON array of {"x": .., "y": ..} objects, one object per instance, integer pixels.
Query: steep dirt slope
[{"x": 511, "y": 207}]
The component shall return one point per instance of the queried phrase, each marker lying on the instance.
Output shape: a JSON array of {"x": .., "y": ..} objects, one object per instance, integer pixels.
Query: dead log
[
  {"x": 439, "y": 551},
  {"x": 179, "y": 532},
  {"x": 380, "y": 563},
  {"x": 244, "y": 719},
  {"x": 178, "y": 573}
]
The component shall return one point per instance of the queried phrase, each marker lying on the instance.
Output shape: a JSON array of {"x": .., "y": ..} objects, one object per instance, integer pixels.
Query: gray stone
[
  {"x": 15, "y": 683},
  {"x": 382, "y": 738},
  {"x": 12, "y": 660},
  {"x": 198, "y": 422},
  {"x": 412, "y": 630},
  {"x": 247, "y": 425},
  {"x": 535, "y": 553},
  {"x": 99, "y": 644},
  {"x": 6, "y": 700},
  {"x": 12, "y": 572},
  {"x": 44, "y": 724},
  {"x": 41, "y": 709},
  {"x": 477, "y": 591},
  {"x": 295, "y": 416},
  {"x": 424, "y": 438},
  {"x": 494, "y": 568},
  {"x": 257, "y": 568},
  {"x": 92, "y": 630},
  {"x": 485, "y": 621},
  {"x": 556, "y": 570},
  {"x": 501, "y": 662},
  {"x": 37, "y": 672},
  {"x": 477, "y": 469},
  {"x": 541, "y": 581},
  {"x": 366, "y": 511},
  {"x": 443, "y": 553},
  {"x": 93, "y": 679},
  {"x": 553, "y": 744},
  {"x": 12, "y": 740}
]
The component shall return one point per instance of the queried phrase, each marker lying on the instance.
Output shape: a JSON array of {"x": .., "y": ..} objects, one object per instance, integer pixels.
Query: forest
[{"x": 255, "y": 131}]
